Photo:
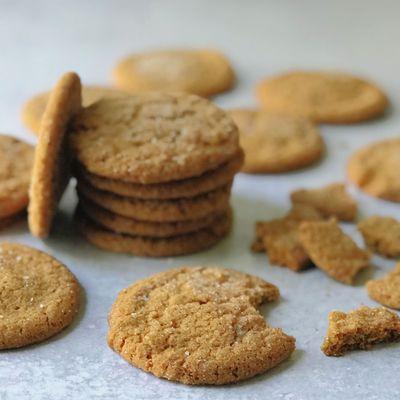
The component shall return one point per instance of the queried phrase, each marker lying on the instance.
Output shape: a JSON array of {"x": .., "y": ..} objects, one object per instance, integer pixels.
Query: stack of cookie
[{"x": 154, "y": 173}]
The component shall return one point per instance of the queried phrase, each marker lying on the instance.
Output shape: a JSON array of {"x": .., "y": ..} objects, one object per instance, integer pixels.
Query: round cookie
[
  {"x": 39, "y": 296},
  {"x": 155, "y": 247},
  {"x": 34, "y": 108},
  {"x": 191, "y": 187},
  {"x": 198, "y": 325},
  {"x": 276, "y": 143},
  {"x": 153, "y": 137},
  {"x": 130, "y": 226},
  {"x": 329, "y": 97},
  {"x": 16, "y": 159},
  {"x": 375, "y": 169},
  {"x": 51, "y": 167},
  {"x": 160, "y": 210},
  {"x": 201, "y": 72}
]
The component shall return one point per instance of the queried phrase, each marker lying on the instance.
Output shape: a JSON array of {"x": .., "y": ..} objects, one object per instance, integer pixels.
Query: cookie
[
  {"x": 34, "y": 108},
  {"x": 119, "y": 224},
  {"x": 331, "y": 250},
  {"x": 381, "y": 235},
  {"x": 153, "y": 138},
  {"x": 386, "y": 290},
  {"x": 276, "y": 143},
  {"x": 360, "y": 329},
  {"x": 375, "y": 169},
  {"x": 201, "y": 72},
  {"x": 330, "y": 97},
  {"x": 155, "y": 246},
  {"x": 330, "y": 201},
  {"x": 51, "y": 166},
  {"x": 16, "y": 159},
  {"x": 160, "y": 210},
  {"x": 191, "y": 187},
  {"x": 39, "y": 296},
  {"x": 198, "y": 325}
]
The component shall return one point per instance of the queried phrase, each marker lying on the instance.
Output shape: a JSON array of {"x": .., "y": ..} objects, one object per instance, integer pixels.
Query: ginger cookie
[
  {"x": 34, "y": 108},
  {"x": 201, "y": 72},
  {"x": 153, "y": 138},
  {"x": 143, "y": 246},
  {"x": 39, "y": 296},
  {"x": 330, "y": 97},
  {"x": 160, "y": 210},
  {"x": 330, "y": 201},
  {"x": 198, "y": 325},
  {"x": 16, "y": 159},
  {"x": 386, "y": 290},
  {"x": 191, "y": 187},
  {"x": 360, "y": 330},
  {"x": 130, "y": 226},
  {"x": 276, "y": 143},
  {"x": 51, "y": 167},
  {"x": 375, "y": 169},
  {"x": 331, "y": 250},
  {"x": 381, "y": 235}
]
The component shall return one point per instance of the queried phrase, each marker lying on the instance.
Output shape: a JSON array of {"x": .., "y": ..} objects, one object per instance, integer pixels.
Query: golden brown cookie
[
  {"x": 360, "y": 329},
  {"x": 201, "y": 72},
  {"x": 143, "y": 246},
  {"x": 330, "y": 201},
  {"x": 160, "y": 210},
  {"x": 120, "y": 224},
  {"x": 39, "y": 296},
  {"x": 16, "y": 158},
  {"x": 34, "y": 108},
  {"x": 331, "y": 250},
  {"x": 51, "y": 167},
  {"x": 276, "y": 143},
  {"x": 381, "y": 234},
  {"x": 375, "y": 169},
  {"x": 386, "y": 290},
  {"x": 198, "y": 325},
  {"x": 191, "y": 187},
  {"x": 330, "y": 97},
  {"x": 153, "y": 138}
]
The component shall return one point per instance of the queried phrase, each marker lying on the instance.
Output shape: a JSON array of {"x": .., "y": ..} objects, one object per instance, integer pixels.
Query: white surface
[{"x": 39, "y": 40}]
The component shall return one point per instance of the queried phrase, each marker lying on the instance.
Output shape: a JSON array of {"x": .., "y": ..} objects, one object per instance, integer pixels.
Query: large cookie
[{"x": 198, "y": 325}]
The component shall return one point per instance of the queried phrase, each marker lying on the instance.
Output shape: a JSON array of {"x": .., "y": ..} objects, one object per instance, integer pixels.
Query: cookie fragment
[
  {"x": 386, "y": 290},
  {"x": 331, "y": 250},
  {"x": 331, "y": 201},
  {"x": 360, "y": 329},
  {"x": 381, "y": 234},
  {"x": 198, "y": 325}
]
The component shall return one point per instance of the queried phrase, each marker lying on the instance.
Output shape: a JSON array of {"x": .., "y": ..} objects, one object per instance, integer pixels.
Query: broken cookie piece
[{"x": 360, "y": 329}]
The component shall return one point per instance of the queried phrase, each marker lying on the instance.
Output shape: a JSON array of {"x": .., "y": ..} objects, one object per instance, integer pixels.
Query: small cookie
[
  {"x": 160, "y": 210},
  {"x": 191, "y": 187},
  {"x": 276, "y": 143},
  {"x": 153, "y": 138},
  {"x": 304, "y": 212},
  {"x": 198, "y": 325},
  {"x": 382, "y": 235},
  {"x": 386, "y": 290},
  {"x": 360, "y": 329},
  {"x": 119, "y": 224},
  {"x": 331, "y": 250},
  {"x": 39, "y": 296},
  {"x": 155, "y": 247},
  {"x": 201, "y": 72},
  {"x": 16, "y": 159},
  {"x": 330, "y": 201},
  {"x": 34, "y": 108},
  {"x": 330, "y": 97},
  {"x": 375, "y": 169},
  {"x": 51, "y": 166}
]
